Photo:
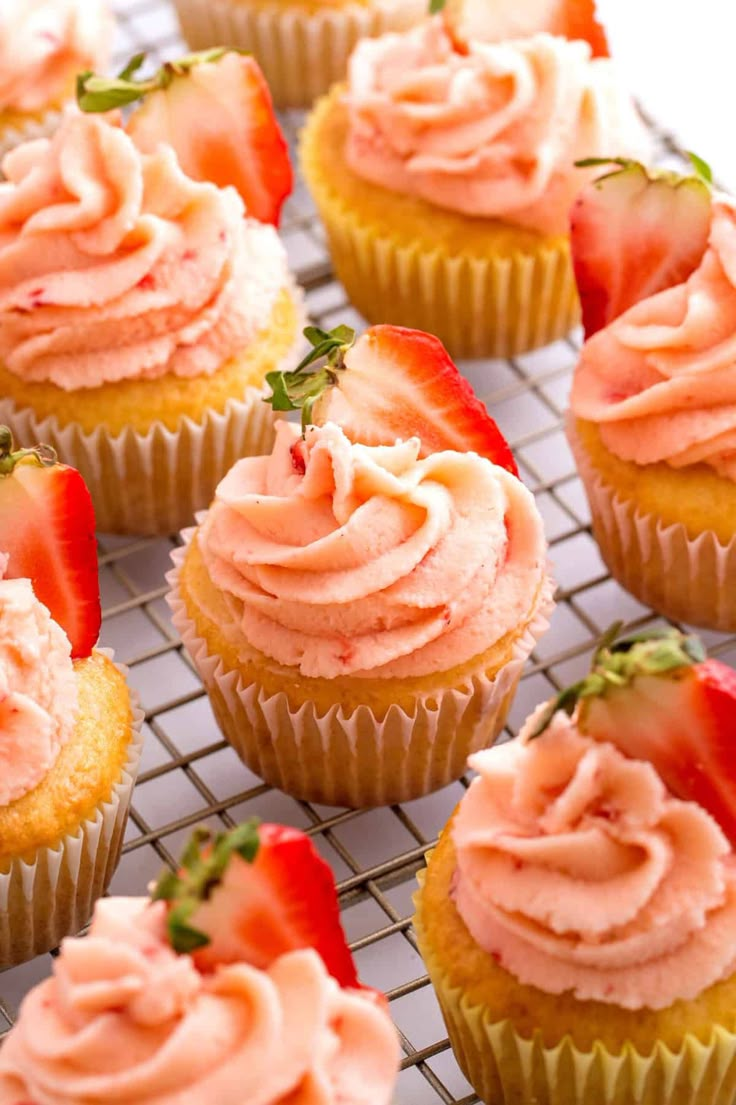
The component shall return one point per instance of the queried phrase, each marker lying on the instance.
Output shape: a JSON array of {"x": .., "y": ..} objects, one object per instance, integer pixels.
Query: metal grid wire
[{"x": 191, "y": 776}]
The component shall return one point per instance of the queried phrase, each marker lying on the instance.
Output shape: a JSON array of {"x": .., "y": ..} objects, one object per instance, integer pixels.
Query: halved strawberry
[
  {"x": 47, "y": 530},
  {"x": 215, "y": 109},
  {"x": 657, "y": 698},
  {"x": 498, "y": 21},
  {"x": 635, "y": 232},
  {"x": 250, "y": 896},
  {"x": 392, "y": 383}
]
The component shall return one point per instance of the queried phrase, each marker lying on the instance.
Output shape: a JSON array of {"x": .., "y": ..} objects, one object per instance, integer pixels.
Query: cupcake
[
  {"x": 360, "y": 603},
  {"x": 302, "y": 45},
  {"x": 578, "y": 916},
  {"x": 140, "y": 311},
  {"x": 69, "y": 733},
  {"x": 43, "y": 45},
  {"x": 653, "y": 404},
  {"x": 444, "y": 173},
  {"x": 235, "y": 1012}
]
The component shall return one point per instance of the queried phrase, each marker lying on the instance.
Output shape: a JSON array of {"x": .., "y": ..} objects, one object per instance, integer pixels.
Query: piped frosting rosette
[
  {"x": 376, "y": 575},
  {"x": 115, "y": 268}
]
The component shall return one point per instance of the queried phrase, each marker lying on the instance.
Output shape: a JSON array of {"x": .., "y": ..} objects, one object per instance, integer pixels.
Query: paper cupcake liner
[
  {"x": 687, "y": 579},
  {"x": 52, "y": 895},
  {"x": 356, "y": 760},
  {"x": 24, "y": 131},
  {"x": 503, "y": 1066},
  {"x": 301, "y": 50}
]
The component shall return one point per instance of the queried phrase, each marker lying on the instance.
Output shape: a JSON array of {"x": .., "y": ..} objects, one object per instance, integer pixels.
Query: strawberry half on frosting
[
  {"x": 214, "y": 108},
  {"x": 657, "y": 697},
  {"x": 500, "y": 20},
  {"x": 635, "y": 232},
  {"x": 392, "y": 383},
  {"x": 47, "y": 535}
]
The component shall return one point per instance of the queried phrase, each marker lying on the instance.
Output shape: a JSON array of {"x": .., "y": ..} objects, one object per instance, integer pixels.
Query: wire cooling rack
[{"x": 191, "y": 776}]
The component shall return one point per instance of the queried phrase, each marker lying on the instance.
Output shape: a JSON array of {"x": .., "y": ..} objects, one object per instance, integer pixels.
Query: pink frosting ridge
[
  {"x": 492, "y": 133},
  {"x": 44, "y": 44},
  {"x": 114, "y": 265},
  {"x": 578, "y": 871},
  {"x": 126, "y": 1020},
  {"x": 345, "y": 559},
  {"x": 38, "y": 689},
  {"x": 660, "y": 381}
]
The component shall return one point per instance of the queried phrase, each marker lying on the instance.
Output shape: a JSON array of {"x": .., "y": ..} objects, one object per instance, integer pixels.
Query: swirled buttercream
[
  {"x": 125, "y": 1019},
  {"x": 44, "y": 44},
  {"x": 660, "y": 381},
  {"x": 38, "y": 689},
  {"x": 114, "y": 265},
  {"x": 579, "y": 872},
  {"x": 347, "y": 559},
  {"x": 493, "y": 132}
]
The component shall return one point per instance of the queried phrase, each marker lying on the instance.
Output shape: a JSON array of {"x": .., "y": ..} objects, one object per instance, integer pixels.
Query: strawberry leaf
[
  {"x": 300, "y": 390},
  {"x": 99, "y": 94}
]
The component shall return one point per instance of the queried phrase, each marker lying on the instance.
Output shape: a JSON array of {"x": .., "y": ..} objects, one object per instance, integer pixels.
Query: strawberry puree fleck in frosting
[
  {"x": 493, "y": 132},
  {"x": 125, "y": 1019},
  {"x": 38, "y": 689},
  {"x": 347, "y": 559},
  {"x": 660, "y": 381},
  {"x": 44, "y": 44},
  {"x": 116, "y": 266},
  {"x": 579, "y": 872}
]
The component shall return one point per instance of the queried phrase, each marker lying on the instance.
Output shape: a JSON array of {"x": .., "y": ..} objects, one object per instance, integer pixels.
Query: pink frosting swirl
[
  {"x": 114, "y": 265},
  {"x": 579, "y": 872},
  {"x": 494, "y": 132},
  {"x": 126, "y": 1020},
  {"x": 38, "y": 689},
  {"x": 348, "y": 559},
  {"x": 660, "y": 381},
  {"x": 44, "y": 44}
]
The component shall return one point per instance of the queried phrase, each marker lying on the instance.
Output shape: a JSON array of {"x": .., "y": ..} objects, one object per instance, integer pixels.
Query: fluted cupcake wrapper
[
  {"x": 52, "y": 894},
  {"x": 687, "y": 579},
  {"x": 357, "y": 760},
  {"x": 503, "y": 1066},
  {"x": 301, "y": 50},
  {"x": 34, "y": 126}
]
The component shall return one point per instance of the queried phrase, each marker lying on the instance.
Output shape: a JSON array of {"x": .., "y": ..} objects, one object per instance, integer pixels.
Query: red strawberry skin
[
  {"x": 633, "y": 234},
  {"x": 684, "y": 723},
  {"x": 47, "y": 528},
  {"x": 219, "y": 118},
  {"x": 401, "y": 383},
  {"x": 283, "y": 901}
]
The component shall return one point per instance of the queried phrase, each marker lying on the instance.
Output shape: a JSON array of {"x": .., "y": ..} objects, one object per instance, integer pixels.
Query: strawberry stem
[
  {"x": 299, "y": 390},
  {"x": 617, "y": 662},
  {"x": 99, "y": 94},
  {"x": 43, "y": 455}
]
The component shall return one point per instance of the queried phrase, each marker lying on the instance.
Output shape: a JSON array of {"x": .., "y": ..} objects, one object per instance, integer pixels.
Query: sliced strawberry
[
  {"x": 47, "y": 530},
  {"x": 393, "y": 383},
  {"x": 657, "y": 700},
  {"x": 215, "y": 109},
  {"x": 253, "y": 895},
  {"x": 635, "y": 232},
  {"x": 499, "y": 21}
]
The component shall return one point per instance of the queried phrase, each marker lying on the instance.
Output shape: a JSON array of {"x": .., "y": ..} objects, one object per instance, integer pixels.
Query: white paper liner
[
  {"x": 53, "y": 895},
  {"x": 687, "y": 579},
  {"x": 26, "y": 130},
  {"x": 411, "y": 755},
  {"x": 154, "y": 483},
  {"x": 301, "y": 52}
]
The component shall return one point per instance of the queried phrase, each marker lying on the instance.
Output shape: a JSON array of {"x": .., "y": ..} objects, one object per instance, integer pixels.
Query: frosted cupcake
[
  {"x": 130, "y": 1016},
  {"x": 302, "y": 45},
  {"x": 69, "y": 733},
  {"x": 140, "y": 312},
  {"x": 360, "y": 607},
  {"x": 653, "y": 405},
  {"x": 444, "y": 175},
  {"x": 578, "y": 917},
  {"x": 43, "y": 45}
]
